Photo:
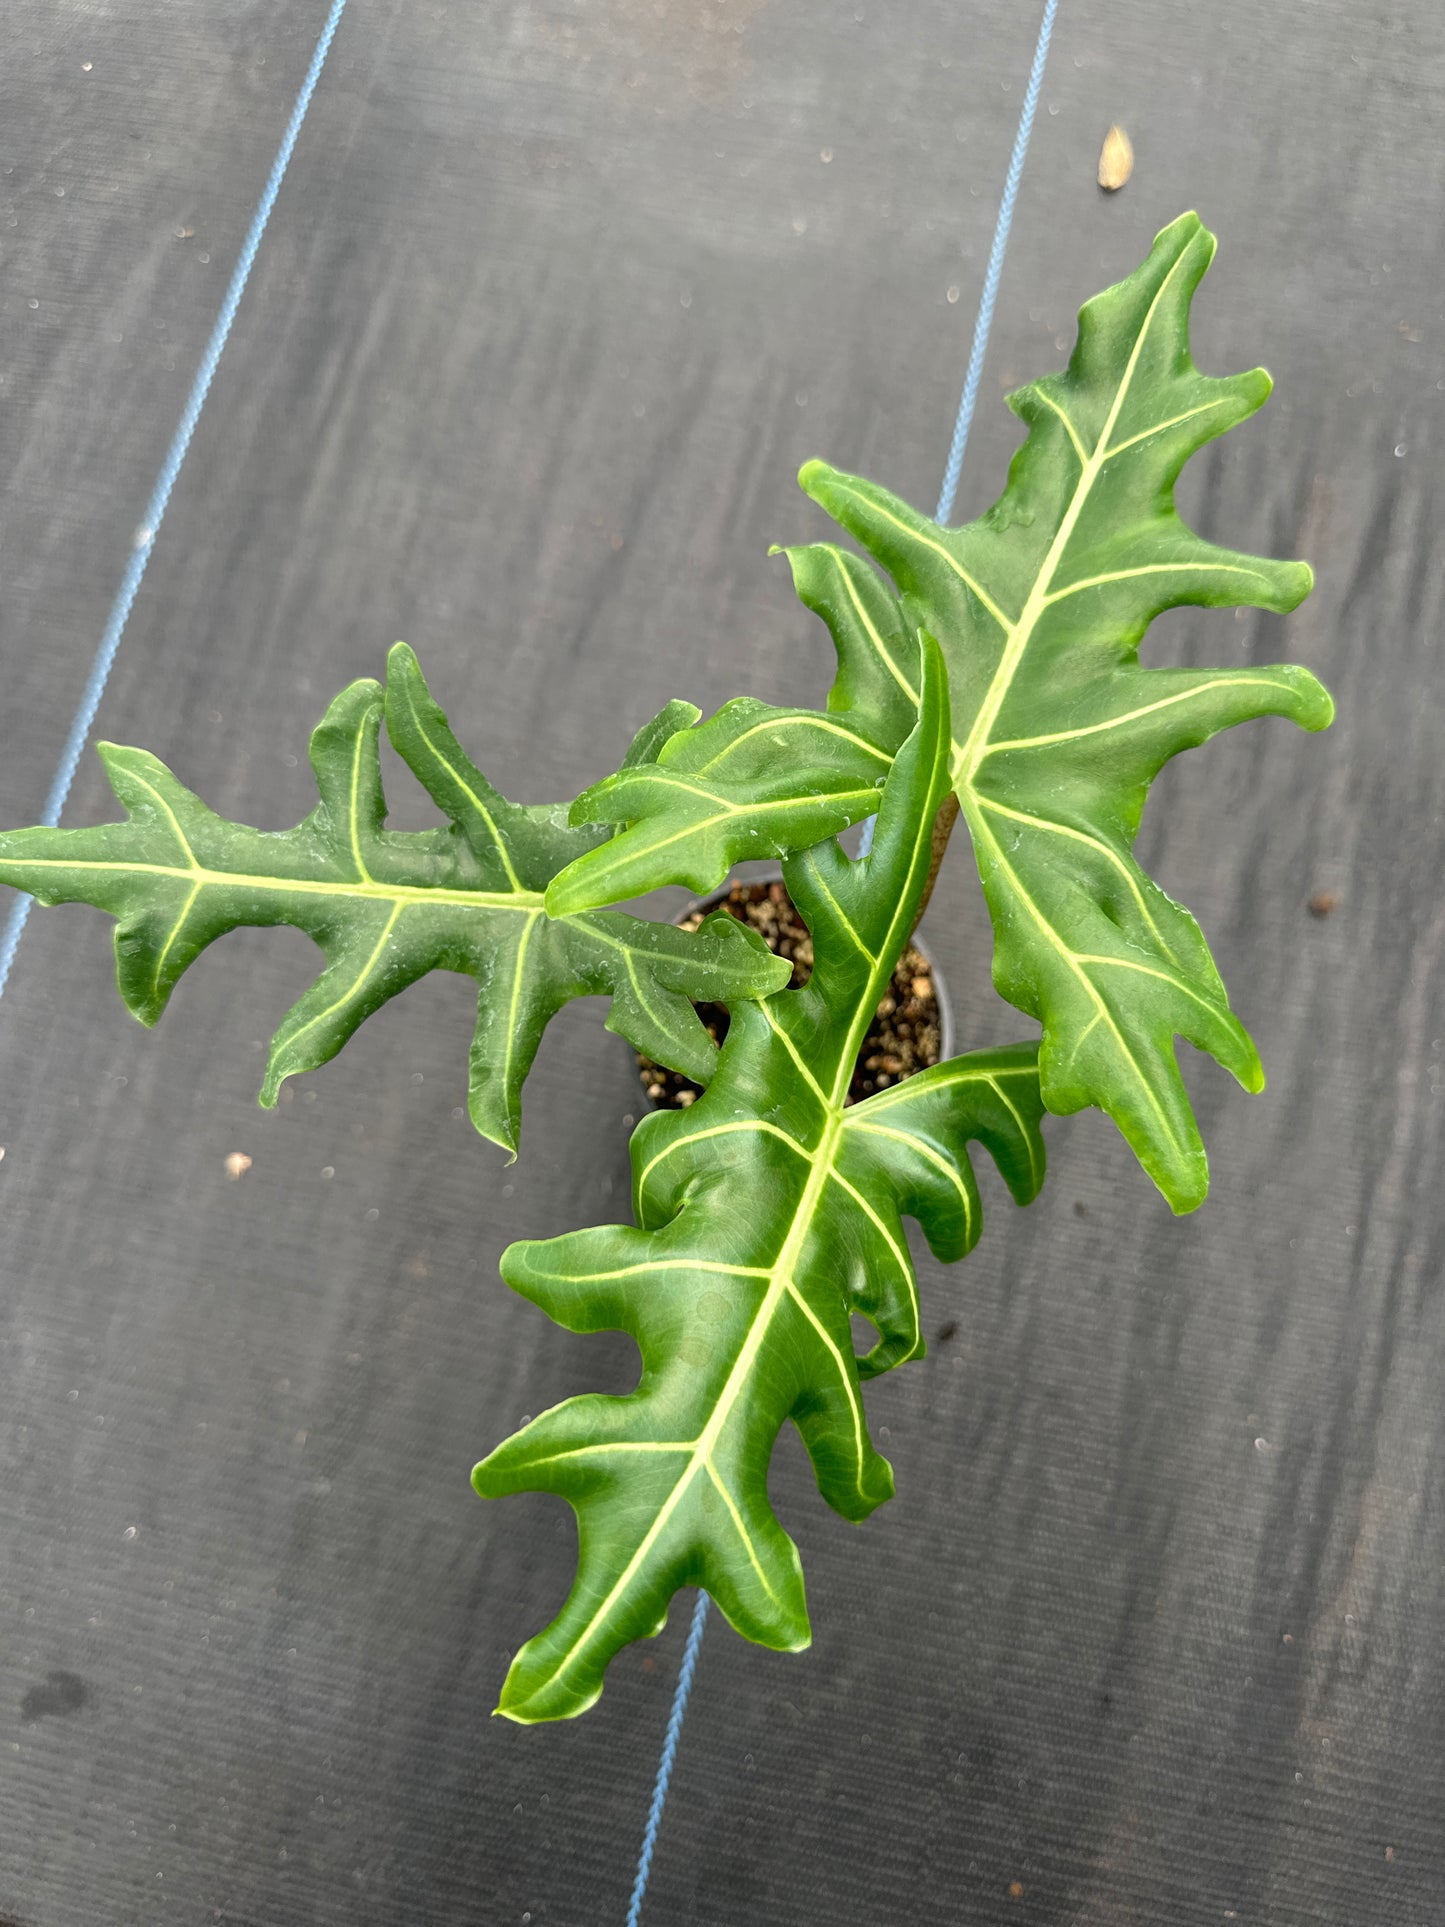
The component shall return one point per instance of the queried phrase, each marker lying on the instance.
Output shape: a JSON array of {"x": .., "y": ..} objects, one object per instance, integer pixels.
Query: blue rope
[
  {"x": 669, "y": 1754},
  {"x": 995, "y": 268},
  {"x": 984, "y": 322},
  {"x": 145, "y": 538},
  {"x": 865, "y": 842}
]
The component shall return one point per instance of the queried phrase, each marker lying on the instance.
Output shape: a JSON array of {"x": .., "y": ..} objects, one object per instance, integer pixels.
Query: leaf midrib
[
  {"x": 781, "y": 1279},
  {"x": 206, "y": 878},
  {"x": 780, "y": 1286},
  {"x": 976, "y": 747},
  {"x": 970, "y": 753},
  {"x": 1102, "y": 1013},
  {"x": 498, "y": 840}
]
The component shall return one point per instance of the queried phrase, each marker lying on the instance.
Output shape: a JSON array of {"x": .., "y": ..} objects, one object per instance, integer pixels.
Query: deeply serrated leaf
[
  {"x": 386, "y": 907},
  {"x": 766, "y": 1216},
  {"x": 1040, "y": 607}
]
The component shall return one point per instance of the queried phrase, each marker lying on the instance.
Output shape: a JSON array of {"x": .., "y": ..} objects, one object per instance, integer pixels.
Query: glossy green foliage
[
  {"x": 1040, "y": 607},
  {"x": 385, "y": 907},
  {"x": 999, "y": 662},
  {"x": 767, "y": 1215}
]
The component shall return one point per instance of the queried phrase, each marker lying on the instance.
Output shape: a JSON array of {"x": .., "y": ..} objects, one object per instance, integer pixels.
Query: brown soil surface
[{"x": 904, "y": 1037}]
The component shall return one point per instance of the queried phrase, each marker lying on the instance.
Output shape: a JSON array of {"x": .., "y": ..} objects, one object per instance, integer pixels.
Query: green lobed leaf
[
  {"x": 767, "y": 1214},
  {"x": 1040, "y": 607},
  {"x": 385, "y": 907}
]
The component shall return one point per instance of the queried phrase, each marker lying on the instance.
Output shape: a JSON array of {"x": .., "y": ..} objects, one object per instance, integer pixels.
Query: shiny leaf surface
[
  {"x": 385, "y": 907},
  {"x": 1040, "y": 607},
  {"x": 767, "y": 1215}
]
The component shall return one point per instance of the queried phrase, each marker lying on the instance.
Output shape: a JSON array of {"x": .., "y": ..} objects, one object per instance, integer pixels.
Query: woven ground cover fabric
[{"x": 555, "y": 302}]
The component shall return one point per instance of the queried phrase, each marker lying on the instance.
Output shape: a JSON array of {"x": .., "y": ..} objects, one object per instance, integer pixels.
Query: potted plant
[{"x": 989, "y": 673}]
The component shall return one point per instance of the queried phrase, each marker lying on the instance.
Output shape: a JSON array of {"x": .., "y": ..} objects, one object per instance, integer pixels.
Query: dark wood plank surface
[{"x": 557, "y": 298}]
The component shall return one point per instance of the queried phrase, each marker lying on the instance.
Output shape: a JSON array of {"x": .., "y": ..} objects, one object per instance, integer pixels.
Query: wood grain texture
[{"x": 557, "y": 298}]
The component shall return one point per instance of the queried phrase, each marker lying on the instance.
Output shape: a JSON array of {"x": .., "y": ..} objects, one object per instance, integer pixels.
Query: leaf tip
[
  {"x": 513, "y": 1269},
  {"x": 1299, "y": 581},
  {"x": 114, "y": 760},
  {"x": 526, "y": 1705},
  {"x": 1183, "y": 1188},
  {"x": 1319, "y": 711},
  {"x": 815, "y": 479},
  {"x": 778, "y": 975},
  {"x": 1186, "y": 226},
  {"x": 505, "y": 1710},
  {"x": 502, "y": 1135}
]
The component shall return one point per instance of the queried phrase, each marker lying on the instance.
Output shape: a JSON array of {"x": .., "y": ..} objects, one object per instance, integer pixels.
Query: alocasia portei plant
[{"x": 993, "y": 674}]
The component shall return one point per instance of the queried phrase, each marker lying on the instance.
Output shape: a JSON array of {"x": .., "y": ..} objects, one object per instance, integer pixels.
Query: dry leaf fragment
[
  {"x": 237, "y": 1164},
  {"x": 1116, "y": 161}
]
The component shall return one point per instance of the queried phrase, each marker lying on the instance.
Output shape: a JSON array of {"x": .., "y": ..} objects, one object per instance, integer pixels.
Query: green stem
[{"x": 942, "y": 829}]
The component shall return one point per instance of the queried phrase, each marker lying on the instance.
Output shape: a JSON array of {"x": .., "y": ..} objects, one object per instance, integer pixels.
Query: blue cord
[
  {"x": 146, "y": 534},
  {"x": 669, "y": 1755},
  {"x": 995, "y": 268},
  {"x": 984, "y": 322},
  {"x": 150, "y": 528},
  {"x": 865, "y": 842}
]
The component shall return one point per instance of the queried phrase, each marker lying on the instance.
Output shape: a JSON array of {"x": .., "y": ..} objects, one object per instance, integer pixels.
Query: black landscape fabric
[{"x": 556, "y": 299}]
